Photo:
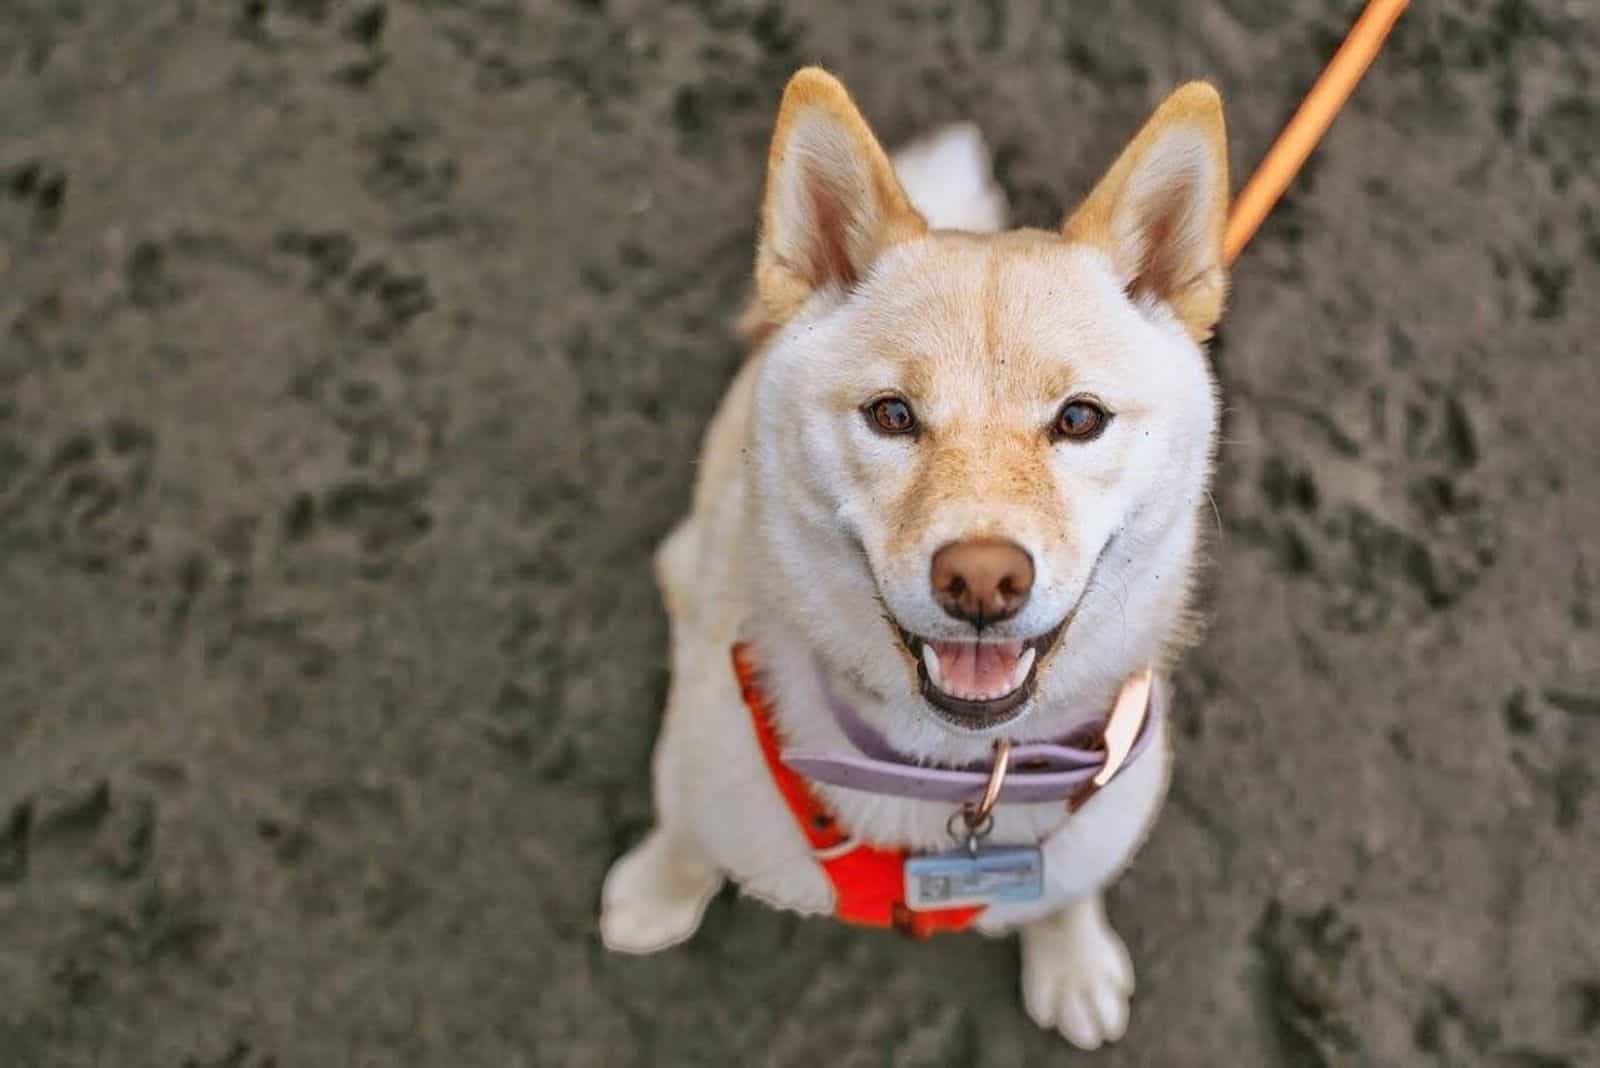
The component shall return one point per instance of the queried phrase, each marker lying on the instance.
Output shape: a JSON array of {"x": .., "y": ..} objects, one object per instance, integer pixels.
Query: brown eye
[
  {"x": 1081, "y": 420},
  {"x": 892, "y": 416}
]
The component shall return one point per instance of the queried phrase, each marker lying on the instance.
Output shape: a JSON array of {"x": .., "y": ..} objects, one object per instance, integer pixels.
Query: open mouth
[{"x": 978, "y": 685}]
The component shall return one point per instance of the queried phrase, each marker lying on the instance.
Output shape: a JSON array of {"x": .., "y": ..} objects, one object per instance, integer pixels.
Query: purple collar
[{"x": 1042, "y": 772}]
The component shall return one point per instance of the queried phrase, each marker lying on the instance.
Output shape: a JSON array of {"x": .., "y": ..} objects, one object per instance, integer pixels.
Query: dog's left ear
[
  {"x": 1159, "y": 213},
  {"x": 832, "y": 203}
]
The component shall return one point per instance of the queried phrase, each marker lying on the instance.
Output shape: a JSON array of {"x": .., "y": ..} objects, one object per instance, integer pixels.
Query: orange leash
[{"x": 1284, "y": 159}]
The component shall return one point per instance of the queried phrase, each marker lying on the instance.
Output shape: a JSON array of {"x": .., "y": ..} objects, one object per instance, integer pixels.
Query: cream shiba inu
[{"x": 946, "y": 522}]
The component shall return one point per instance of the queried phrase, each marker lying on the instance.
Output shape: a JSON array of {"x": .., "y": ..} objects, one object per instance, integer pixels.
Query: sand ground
[{"x": 353, "y": 357}]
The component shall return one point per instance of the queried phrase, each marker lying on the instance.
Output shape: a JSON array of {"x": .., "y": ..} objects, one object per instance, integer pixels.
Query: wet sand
[{"x": 353, "y": 357}]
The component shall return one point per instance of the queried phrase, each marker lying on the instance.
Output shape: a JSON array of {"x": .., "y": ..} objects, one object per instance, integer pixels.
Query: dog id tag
[{"x": 975, "y": 875}]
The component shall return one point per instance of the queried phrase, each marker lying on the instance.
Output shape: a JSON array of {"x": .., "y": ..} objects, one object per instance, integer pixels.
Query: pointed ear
[
  {"x": 1159, "y": 213},
  {"x": 832, "y": 203}
]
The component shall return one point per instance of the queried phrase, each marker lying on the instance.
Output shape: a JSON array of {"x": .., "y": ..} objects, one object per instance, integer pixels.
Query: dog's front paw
[
  {"x": 654, "y": 896},
  {"x": 1076, "y": 975}
]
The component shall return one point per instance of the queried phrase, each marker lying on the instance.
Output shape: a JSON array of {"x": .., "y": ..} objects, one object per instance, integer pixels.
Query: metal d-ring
[{"x": 979, "y": 818}]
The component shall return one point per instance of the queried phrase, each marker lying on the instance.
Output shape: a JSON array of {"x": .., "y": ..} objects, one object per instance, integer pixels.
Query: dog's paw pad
[
  {"x": 1077, "y": 979},
  {"x": 652, "y": 900}
]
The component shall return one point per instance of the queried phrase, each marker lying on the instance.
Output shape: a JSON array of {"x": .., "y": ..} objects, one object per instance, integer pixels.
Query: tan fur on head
[
  {"x": 832, "y": 203},
  {"x": 1160, "y": 210}
]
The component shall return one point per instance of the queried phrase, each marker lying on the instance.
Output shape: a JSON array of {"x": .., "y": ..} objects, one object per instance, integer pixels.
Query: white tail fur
[{"x": 949, "y": 178}]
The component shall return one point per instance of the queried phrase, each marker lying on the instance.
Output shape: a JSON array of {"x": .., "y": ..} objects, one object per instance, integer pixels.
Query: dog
[{"x": 942, "y": 546}]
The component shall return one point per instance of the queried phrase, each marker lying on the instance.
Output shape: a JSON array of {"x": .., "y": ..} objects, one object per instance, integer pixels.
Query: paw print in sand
[{"x": 90, "y": 494}]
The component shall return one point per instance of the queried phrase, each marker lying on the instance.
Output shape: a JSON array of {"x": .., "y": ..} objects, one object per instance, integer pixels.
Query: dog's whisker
[{"x": 1216, "y": 514}]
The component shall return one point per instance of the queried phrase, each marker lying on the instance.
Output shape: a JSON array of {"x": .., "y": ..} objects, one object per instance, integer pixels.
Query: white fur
[
  {"x": 948, "y": 177},
  {"x": 789, "y": 545}
]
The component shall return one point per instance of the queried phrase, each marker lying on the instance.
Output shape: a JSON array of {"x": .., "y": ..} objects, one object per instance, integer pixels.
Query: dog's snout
[{"x": 982, "y": 580}]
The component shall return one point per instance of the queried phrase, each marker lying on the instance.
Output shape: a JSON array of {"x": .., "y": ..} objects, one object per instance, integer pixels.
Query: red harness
[{"x": 868, "y": 882}]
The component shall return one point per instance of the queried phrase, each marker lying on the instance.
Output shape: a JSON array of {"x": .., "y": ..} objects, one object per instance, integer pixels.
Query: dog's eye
[
  {"x": 892, "y": 415},
  {"x": 1080, "y": 420}
]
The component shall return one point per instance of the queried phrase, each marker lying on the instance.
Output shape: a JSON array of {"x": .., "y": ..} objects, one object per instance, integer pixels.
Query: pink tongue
[{"x": 977, "y": 669}]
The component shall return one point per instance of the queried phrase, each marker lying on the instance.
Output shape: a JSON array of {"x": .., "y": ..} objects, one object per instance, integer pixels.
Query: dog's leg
[
  {"x": 655, "y": 895},
  {"x": 1076, "y": 975}
]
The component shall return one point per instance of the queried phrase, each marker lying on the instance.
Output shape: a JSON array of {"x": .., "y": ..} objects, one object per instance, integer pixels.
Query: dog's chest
[
  {"x": 786, "y": 865},
  {"x": 1078, "y": 851}
]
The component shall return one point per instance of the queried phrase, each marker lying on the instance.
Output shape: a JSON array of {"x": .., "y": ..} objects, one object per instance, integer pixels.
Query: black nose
[{"x": 982, "y": 580}]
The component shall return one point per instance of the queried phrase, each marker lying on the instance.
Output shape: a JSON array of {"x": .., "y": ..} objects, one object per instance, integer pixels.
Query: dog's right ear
[{"x": 832, "y": 203}]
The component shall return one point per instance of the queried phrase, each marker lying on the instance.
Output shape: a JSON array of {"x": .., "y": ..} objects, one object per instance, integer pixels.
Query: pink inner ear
[
  {"x": 830, "y": 249},
  {"x": 1157, "y": 271}
]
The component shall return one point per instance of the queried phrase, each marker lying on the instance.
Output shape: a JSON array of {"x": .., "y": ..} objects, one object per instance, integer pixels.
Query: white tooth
[
  {"x": 1019, "y": 674},
  {"x": 930, "y": 660}
]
